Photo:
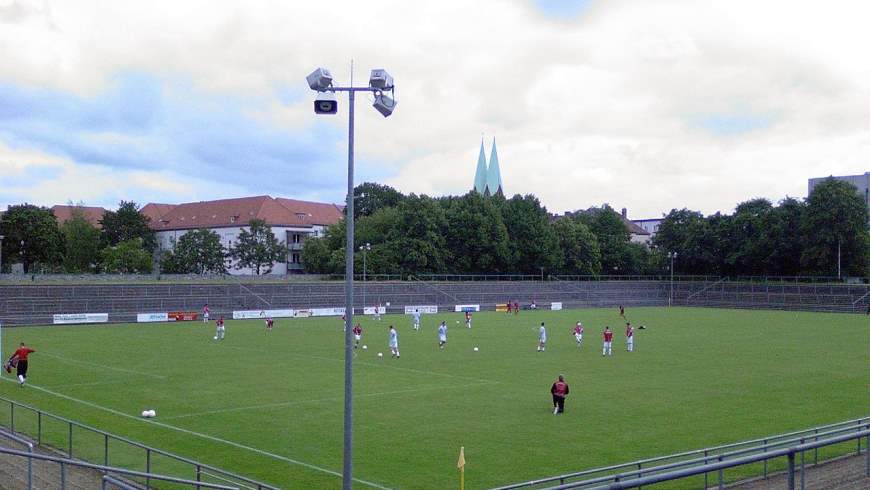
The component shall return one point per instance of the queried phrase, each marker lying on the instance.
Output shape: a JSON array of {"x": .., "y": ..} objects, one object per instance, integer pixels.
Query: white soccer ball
[
  {"x": 365, "y": 347},
  {"x": 380, "y": 354},
  {"x": 457, "y": 321},
  {"x": 152, "y": 413},
  {"x": 476, "y": 349},
  {"x": 145, "y": 413},
  {"x": 215, "y": 337}
]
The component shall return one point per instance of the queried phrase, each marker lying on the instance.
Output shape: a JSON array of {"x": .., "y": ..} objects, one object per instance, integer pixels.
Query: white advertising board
[
  {"x": 152, "y": 317},
  {"x": 370, "y": 310},
  {"x": 326, "y": 311},
  {"x": 425, "y": 309},
  {"x": 64, "y": 318},
  {"x": 467, "y": 308},
  {"x": 301, "y": 314},
  {"x": 556, "y": 305},
  {"x": 249, "y": 314}
]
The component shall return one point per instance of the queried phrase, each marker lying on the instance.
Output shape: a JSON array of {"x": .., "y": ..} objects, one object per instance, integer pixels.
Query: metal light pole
[
  {"x": 379, "y": 82},
  {"x": 672, "y": 256},
  {"x": 1, "y": 253}
]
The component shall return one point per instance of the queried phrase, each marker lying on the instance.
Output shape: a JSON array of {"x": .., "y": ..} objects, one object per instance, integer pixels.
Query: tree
[
  {"x": 82, "y": 244},
  {"x": 315, "y": 256},
  {"x": 580, "y": 253},
  {"x": 689, "y": 235},
  {"x": 370, "y": 197},
  {"x": 613, "y": 238},
  {"x": 835, "y": 227},
  {"x": 127, "y": 257},
  {"x": 477, "y": 239},
  {"x": 197, "y": 252},
  {"x": 31, "y": 236},
  {"x": 785, "y": 237},
  {"x": 127, "y": 224},
  {"x": 257, "y": 248},
  {"x": 416, "y": 243},
  {"x": 533, "y": 239}
]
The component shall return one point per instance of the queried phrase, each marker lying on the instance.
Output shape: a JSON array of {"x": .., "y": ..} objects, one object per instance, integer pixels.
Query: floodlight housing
[
  {"x": 320, "y": 79},
  {"x": 380, "y": 79},
  {"x": 384, "y": 104},
  {"x": 325, "y": 103}
]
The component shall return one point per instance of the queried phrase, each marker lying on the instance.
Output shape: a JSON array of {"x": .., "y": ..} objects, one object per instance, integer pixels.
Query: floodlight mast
[{"x": 321, "y": 81}]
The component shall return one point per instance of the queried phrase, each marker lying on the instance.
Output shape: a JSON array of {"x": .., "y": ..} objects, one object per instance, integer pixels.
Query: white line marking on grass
[
  {"x": 86, "y": 363},
  {"x": 92, "y": 383},
  {"x": 317, "y": 400},
  {"x": 201, "y": 435}
]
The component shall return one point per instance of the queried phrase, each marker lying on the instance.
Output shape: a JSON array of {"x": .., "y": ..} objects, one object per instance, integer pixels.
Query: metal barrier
[
  {"x": 199, "y": 469},
  {"x": 64, "y": 463},
  {"x": 637, "y": 469},
  {"x": 29, "y": 445}
]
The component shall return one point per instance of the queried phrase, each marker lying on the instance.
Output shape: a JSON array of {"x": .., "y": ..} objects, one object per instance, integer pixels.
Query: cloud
[{"x": 647, "y": 105}]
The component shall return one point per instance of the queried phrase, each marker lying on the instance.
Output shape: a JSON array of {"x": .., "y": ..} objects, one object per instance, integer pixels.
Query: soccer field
[{"x": 269, "y": 405}]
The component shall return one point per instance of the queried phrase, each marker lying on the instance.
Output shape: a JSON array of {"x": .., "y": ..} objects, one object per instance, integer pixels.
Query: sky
[{"x": 649, "y": 105}]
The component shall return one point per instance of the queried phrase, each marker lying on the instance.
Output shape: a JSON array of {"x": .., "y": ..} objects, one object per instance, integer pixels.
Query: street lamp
[
  {"x": 23, "y": 257},
  {"x": 364, "y": 249},
  {"x": 320, "y": 80},
  {"x": 672, "y": 256},
  {"x": 1, "y": 253}
]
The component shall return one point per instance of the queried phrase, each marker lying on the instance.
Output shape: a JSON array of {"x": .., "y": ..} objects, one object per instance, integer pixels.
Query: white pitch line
[
  {"x": 92, "y": 383},
  {"x": 204, "y": 436},
  {"x": 317, "y": 400},
  {"x": 86, "y": 363}
]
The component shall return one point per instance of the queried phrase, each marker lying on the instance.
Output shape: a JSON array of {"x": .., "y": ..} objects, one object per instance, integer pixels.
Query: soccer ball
[
  {"x": 215, "y": 337},
  {"x": 457, "y": 321},
  {"x": 145, "y": 413},
  {"x": 152, "y": 413},
  {"x": 476, "y": 349},
  {"x": 380, "y": 354},
  {"x": 365, "y": 347}
]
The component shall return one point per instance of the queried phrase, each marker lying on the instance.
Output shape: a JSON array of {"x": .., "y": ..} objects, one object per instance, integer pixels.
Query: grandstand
[{"x": 35, "y": 304}]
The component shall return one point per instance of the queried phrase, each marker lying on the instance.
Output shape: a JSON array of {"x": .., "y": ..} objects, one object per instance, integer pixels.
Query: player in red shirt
[
  {"x": 467, "y": 319},
  {"x": 21, "y": 355},
  {"x": 357, "y": 334},
  {"x": 622, "y": 311},
  {"x": 269, "y": 324},
  {"x": 608, "y": 340},
  {"x": 221, "y": 330},
  {"x": 578, "y": 334},
  {"x": 629, "y": 337},
  {"x": 516, "y": 307},
  {"x": 205, "y": 312},
  {"x": 559, "y": 390}
]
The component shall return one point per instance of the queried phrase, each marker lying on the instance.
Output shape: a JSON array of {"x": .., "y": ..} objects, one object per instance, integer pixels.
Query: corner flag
[{"x": 461, "y": 465}]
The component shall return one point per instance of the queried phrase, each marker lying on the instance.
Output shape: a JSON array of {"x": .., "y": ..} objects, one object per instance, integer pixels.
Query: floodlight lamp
[
  {"x": 384, "y": 104},
  {"x": 380, "y": 79},
  {"x": 325, "y": 103},
  {"x": 320, "y": 79}
]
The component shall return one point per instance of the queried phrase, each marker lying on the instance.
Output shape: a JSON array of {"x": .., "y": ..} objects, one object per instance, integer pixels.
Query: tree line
[
  {"x": 125, "y": 243},
  {"x": 473, "y": 234}
]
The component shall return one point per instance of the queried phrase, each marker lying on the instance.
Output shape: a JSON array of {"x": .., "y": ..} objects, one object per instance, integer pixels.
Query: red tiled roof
[
  {"x": 155, "y": 211},
  {"x": 227, "y": 212},
  {"x": 317, "y": 213},
  {"x": 64, "y": 213}
]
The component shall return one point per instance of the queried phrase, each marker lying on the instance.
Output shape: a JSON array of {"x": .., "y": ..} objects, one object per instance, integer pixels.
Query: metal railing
[
  {"x": 65, "y": 463},
  {"x": 29, "y": 446},
  {"x": 198, "y": 468},
  {"x": 624, "y": 471},
  {"x": 720, "y": 466}
]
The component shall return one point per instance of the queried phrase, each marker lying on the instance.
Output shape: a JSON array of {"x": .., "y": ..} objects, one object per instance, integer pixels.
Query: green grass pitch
[{"x": 698, "y": 377}]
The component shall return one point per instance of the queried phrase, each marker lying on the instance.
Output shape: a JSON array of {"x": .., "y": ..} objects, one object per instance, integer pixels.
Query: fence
[
  {"x": 29, "y": 446},
  {"x": 688, "y": 463},
  {"x": 98, "y": 444},
  {"x": 65, "y": 463}
]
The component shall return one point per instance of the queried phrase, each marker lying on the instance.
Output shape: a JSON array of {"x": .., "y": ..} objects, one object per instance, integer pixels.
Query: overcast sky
[{"x": 644, "y": 104}]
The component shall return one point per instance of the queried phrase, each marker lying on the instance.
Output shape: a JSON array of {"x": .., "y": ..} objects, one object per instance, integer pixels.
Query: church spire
[
  {"x": 493, "y": 176},
  {"x": 480, "y": 176}
]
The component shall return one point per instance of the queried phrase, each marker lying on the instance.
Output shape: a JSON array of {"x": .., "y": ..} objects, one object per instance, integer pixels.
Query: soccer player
[
  {"x": 467, "y": 319},
  {"x": 442, "y": 335},
  {"x": 394, "y": 342},
  {"x": 608, "y": 339},
  {"x": 205, "y": 312},
  {"x": 542, "y": 338},
  {"x": 516, "y": 307},
  {"x": 578, "y": 333},
  {"x": 357, "y": 334},
  {"x": 221, "y": 331},
  {"x": 559, "y": 390},
  {"x": 269, "y": 324},
  {"x": 21, "y": 368},
  {"x": 533, "y": 305},
  {"x": 378, "y": 312},
  {"x": 508, "y": 307},
  {"x": 629, "y": 337},
  {"x": 622, "y": 311},
  {"x": 416, "y": 319}
]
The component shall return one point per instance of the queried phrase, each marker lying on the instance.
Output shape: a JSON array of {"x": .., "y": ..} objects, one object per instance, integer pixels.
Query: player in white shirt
[
  {"x": 629, "y": 337},
  {"x": 578, "y": 333},
  {"x": 442, "y": 335},
  {"x": 542, "y": 338},
  {"x": 221, "y": 330},
  {"x": 378, "y": 312},
  {"x": 467, "y": 319},
  {"x": 394, "y": 342},
  {"x": 416, "y": 320}
]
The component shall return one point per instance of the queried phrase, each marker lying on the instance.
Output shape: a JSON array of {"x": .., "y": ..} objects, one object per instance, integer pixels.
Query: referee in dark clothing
[{"x": 559, "y": 390}]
